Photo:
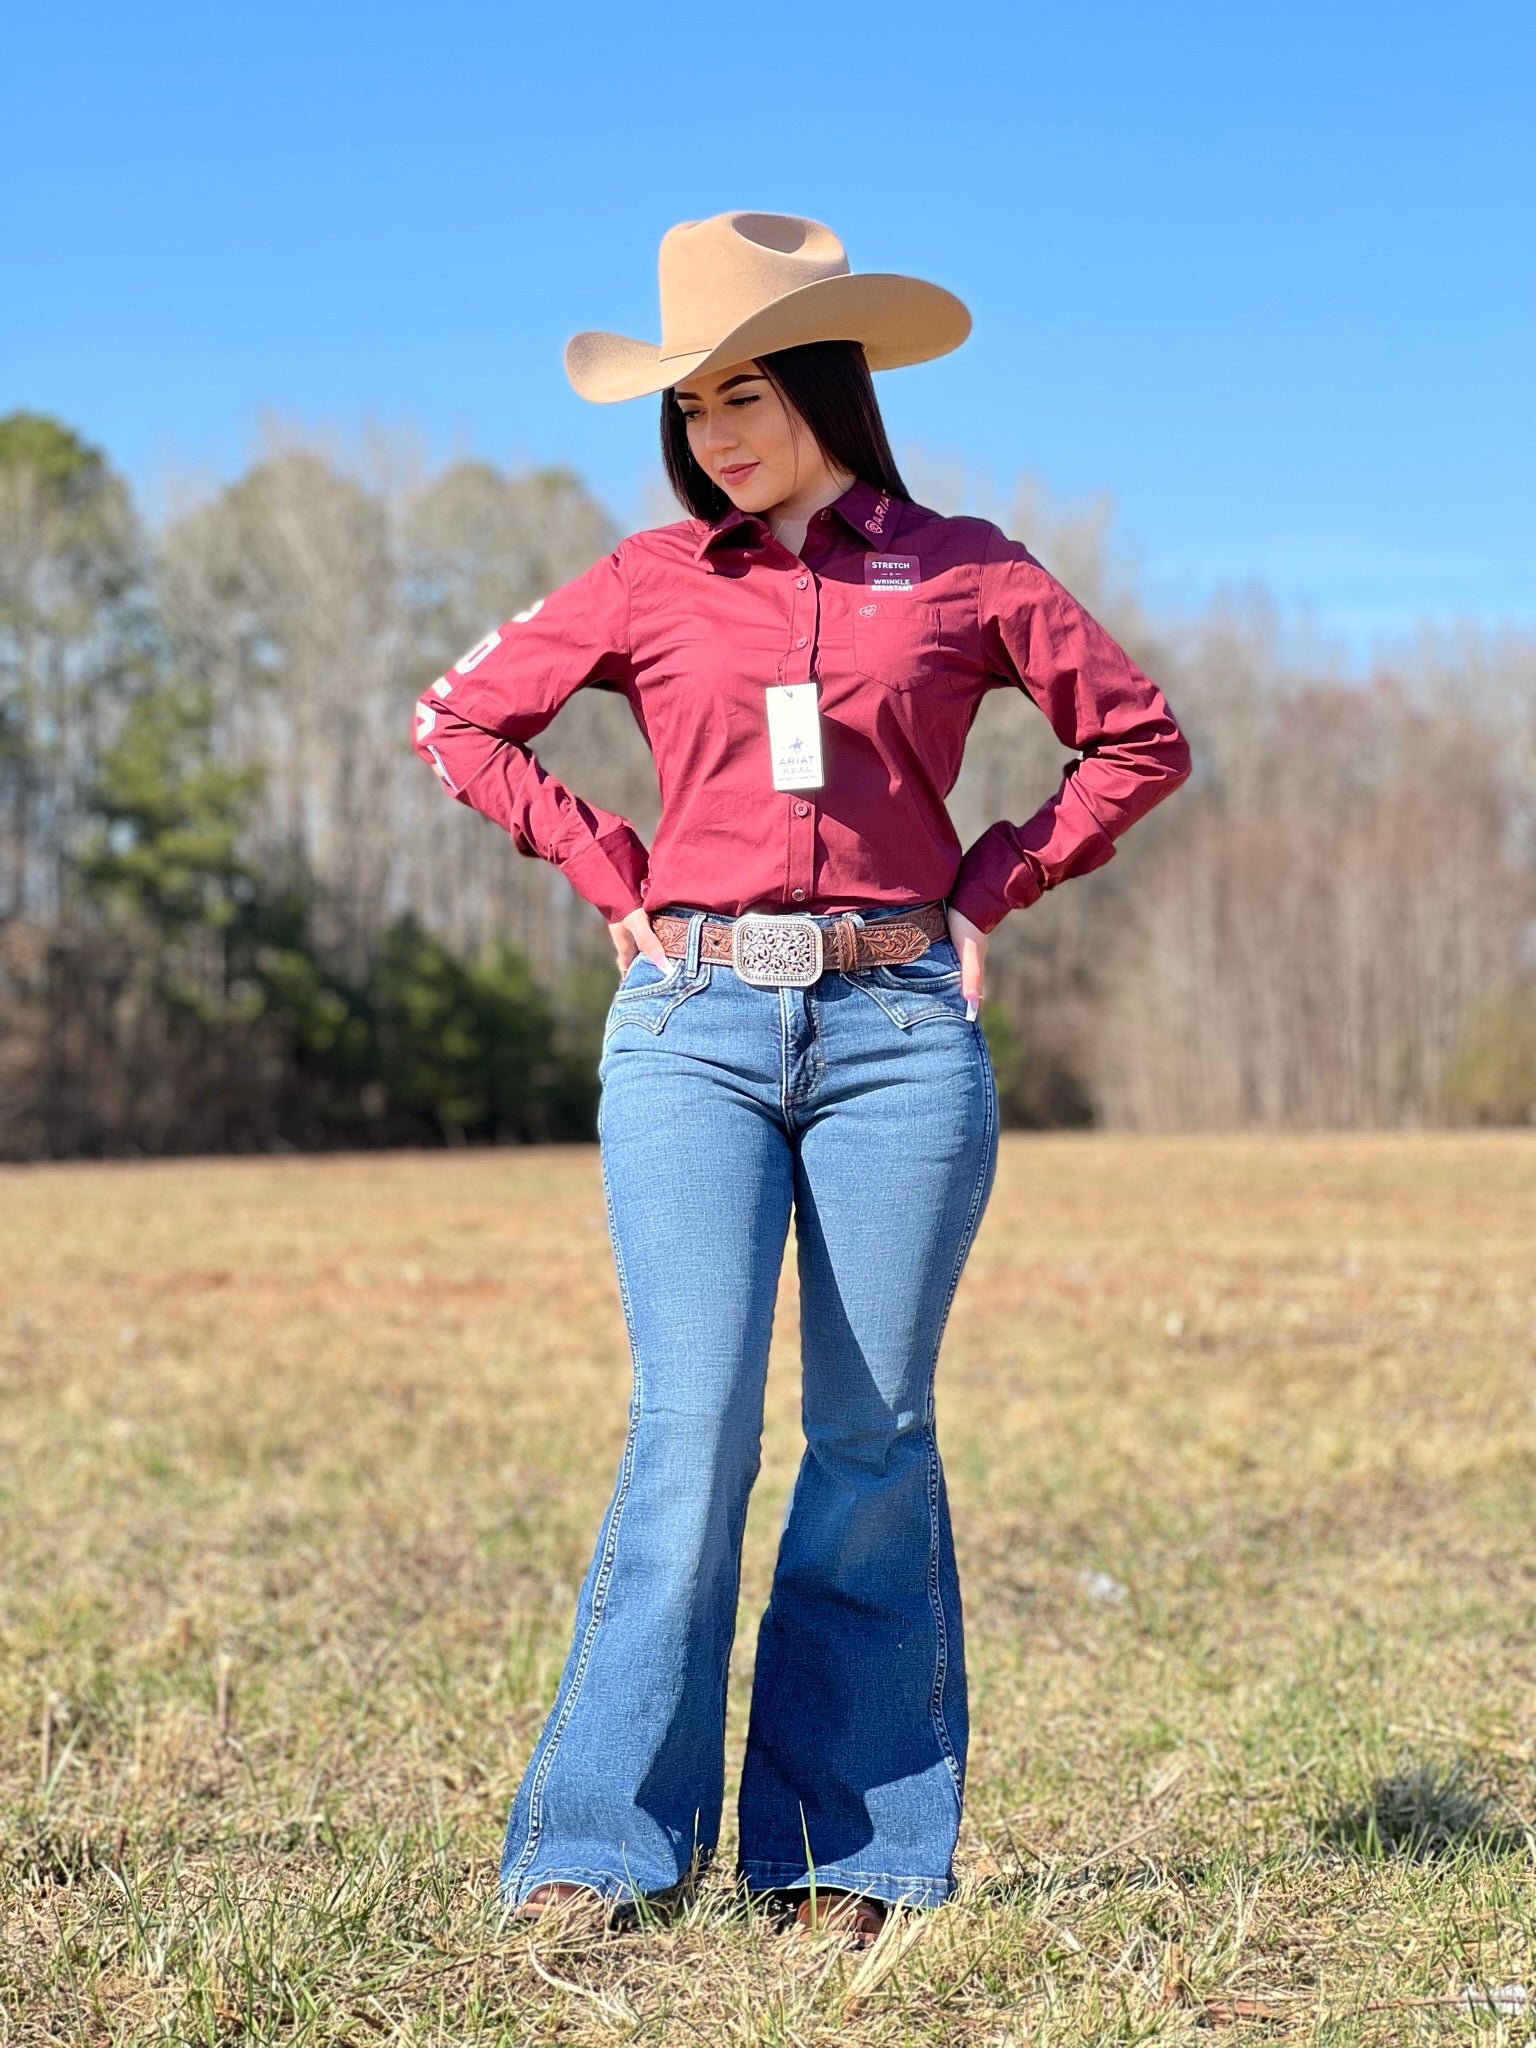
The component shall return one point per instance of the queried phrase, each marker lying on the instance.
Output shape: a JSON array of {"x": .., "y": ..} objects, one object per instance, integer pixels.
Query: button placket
[
  {"x": 805, "y": 611},
  {"x": 804, "y": 626},
  {"x": 802, "y": 850}
]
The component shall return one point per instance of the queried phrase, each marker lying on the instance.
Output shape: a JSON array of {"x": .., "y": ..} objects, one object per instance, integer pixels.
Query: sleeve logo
[
  {"x": 482, "y": 648},
  {"x": 477, "y": 653}
]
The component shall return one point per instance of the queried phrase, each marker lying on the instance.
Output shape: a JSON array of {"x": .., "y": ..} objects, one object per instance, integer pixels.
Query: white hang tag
[{"x": 794, "y": 735}]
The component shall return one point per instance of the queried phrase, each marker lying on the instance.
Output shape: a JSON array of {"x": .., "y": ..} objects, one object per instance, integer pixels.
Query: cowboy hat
[{"x": 741, "y": 285}]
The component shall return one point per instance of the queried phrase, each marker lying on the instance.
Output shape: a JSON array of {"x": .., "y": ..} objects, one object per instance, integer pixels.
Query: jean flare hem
[{"x": 891, "y": 1888}]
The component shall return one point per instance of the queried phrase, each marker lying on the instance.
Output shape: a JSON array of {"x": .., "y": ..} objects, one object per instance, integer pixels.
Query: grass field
[{"x": 299, "y": 1466}]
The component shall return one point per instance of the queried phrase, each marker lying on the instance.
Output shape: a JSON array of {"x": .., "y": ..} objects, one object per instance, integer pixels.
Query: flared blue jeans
[{"x": 865, "y": 1106}]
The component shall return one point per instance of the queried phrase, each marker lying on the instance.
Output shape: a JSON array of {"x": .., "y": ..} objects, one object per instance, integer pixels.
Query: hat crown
[{"x": 715, "y": 274}]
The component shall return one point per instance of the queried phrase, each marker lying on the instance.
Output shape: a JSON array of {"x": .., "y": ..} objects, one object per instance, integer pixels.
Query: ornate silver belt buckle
[{"x": 776, "y": 952}]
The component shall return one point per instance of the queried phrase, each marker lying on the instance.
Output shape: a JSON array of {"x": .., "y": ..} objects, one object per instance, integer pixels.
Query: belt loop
[{"x": 695, "y": 940}]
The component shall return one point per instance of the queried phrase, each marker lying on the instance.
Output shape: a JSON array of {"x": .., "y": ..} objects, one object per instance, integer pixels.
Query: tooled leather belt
[{"x": 793, "y": 950}]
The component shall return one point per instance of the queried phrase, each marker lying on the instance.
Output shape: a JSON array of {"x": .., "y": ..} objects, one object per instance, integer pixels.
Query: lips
[{"x": 737, "y": 472}]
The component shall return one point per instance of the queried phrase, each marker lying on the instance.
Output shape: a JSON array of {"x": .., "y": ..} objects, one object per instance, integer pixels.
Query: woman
[{"x": 802, "y": 950}]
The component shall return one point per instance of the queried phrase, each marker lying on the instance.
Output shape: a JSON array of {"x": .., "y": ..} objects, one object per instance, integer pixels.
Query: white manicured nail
[{"x": 970, "y": 1010}]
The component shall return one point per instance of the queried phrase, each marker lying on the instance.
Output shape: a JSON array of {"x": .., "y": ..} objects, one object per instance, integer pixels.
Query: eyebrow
[{"x": 746, "y": 377}]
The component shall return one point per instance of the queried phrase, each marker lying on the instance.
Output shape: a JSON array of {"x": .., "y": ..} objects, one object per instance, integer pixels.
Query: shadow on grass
[
  {"x": 1426, "y": 1815},
  {"x": 43, "y": 1858},
  {"x": 1045, "y": 1880}
]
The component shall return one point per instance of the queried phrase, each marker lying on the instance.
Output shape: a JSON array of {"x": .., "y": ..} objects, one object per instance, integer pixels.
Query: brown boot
[{"x": 848, "y": 1913}]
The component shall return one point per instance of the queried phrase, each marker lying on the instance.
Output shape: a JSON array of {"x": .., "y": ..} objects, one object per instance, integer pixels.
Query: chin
[{"x": 753, "y": 496}]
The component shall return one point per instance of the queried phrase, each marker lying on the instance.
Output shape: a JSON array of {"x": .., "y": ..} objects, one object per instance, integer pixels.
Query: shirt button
[
  {"x": 801, "y": 641},
  {"x": 801, "y": 582},
  {"x": 798, "y": 894},
  {"x": 802, "y": 810}
]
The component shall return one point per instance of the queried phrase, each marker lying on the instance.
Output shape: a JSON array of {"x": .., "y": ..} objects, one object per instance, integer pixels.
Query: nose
[{"x": 719, "y": 431}]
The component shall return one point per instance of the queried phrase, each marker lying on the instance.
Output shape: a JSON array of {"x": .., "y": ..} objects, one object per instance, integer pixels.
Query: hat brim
[{"x": 899, "y": 320}]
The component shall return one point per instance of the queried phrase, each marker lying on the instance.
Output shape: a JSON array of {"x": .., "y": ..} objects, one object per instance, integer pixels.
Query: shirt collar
[
  {"x": 871, "y": 516},
  {"x": 719, "y": 529}
]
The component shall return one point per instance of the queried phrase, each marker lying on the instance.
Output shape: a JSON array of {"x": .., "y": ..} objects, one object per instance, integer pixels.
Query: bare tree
[
  {"x": 316, "y": 605},
  {"x": 1309, "y": 946}
]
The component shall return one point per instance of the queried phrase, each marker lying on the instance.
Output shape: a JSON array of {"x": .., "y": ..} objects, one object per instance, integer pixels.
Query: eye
[
  {"x": 691, "y": 415},
  {"x": 747, "y": 398}
]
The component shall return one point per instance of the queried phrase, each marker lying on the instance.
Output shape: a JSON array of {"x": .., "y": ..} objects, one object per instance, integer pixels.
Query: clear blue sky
[{"x": 1265, "y": 273}]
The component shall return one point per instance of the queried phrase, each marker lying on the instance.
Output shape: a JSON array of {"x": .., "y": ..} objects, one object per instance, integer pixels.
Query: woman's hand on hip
[
  {"x": 633, "y": 935},
  {"x": 971, "y": 944}
]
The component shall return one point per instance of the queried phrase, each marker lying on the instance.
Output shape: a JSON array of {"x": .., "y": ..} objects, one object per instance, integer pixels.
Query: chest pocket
[{"x": 896, "y": 640}]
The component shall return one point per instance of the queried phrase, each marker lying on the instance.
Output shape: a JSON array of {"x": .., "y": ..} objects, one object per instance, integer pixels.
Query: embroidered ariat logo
[{"x": 876, "y": 521}]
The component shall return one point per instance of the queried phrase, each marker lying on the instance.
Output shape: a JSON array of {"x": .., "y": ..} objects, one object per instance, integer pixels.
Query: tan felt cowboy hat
[{"x": 740, "y": 285}]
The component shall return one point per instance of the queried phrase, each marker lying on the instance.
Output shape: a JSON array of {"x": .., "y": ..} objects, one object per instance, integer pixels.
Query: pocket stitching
[
  {"x": 916, "y": 1010},
  {"x": 676, "y": 992},
  {"x": 674, "y": 973},
  {"x": 948, "y": 978}
]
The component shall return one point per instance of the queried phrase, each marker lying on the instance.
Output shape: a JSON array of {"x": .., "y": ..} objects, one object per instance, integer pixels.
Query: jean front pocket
[
  {"x": 643, "y": 977},
  {"x": 915, "y": 990},
  {"x": 648, "y": 997}
]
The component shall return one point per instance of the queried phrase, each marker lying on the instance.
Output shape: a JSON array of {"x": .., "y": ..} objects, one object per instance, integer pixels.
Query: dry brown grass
[{"x": 301, "y": 1461}]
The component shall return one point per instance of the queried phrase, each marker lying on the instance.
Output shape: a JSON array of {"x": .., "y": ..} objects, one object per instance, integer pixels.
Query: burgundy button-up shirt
[{"x": 904, "y": 618}]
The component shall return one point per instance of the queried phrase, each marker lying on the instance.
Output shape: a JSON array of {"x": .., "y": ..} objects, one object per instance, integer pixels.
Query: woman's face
[{"x": 747, "y": 440}]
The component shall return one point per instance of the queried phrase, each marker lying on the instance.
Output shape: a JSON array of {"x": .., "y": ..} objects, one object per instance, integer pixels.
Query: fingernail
[{"x": 970, "y": 1009}]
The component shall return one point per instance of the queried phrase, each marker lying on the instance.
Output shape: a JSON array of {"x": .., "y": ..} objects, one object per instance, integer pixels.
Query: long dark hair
[{"x": 829, "y": 385}]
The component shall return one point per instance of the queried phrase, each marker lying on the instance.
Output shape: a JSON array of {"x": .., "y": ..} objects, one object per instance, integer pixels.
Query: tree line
[{"x": 235, "y": 913}]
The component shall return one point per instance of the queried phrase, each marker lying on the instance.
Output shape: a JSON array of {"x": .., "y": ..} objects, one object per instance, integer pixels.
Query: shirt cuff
[
  {"x": 993, "y": 879},
  {"x": 609, "y": 872}
]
